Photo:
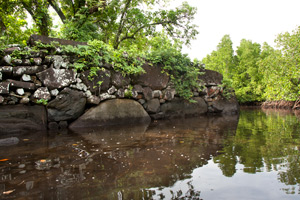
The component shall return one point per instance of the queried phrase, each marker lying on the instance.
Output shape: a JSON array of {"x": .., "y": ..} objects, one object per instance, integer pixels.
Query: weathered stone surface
[
  {"x": 9, "y": 141},
  {"x": 93, "y": 100},
  {"x": 152, "y": 106},
  {"x": 111, "y": 90},
  {"x": 119, "y": 80},
  {"x": 54, "y": 92},
  {"x": 113, "y": 112},
  {"x": 6, "y": 70},
  {"x": 30, "y": 70},
  {"x": 20, "y": 91},
  {"x": 21, "y": 84},
  {"x": 180, "y": 108},
  {"x": 121, "y": 93},
  {"x": 21, "y": 118},
  {"x": 148, "y": 94},
  {"x": 17, "y": 61},
  {"x": 225, "y": 106},
  {"x": 1, "y": 99},
  {"x": 153, "y": 77},
  {"x": 26, "y": 78},
  {"x": 42, "y": 93},
  {"x": 47, "y": 40},
  {"x": 59, "y": 62},
  {"x": 138, "y": 88},
  {"x": 63, "y": 124},
  {"x": 157, "y": 94},
  {"x": 211, "y": 78},
  {"x": 7, "y": 59},
  {"x": 11, "y": 49},
  {"x": 79, "y": 86},
  {"x": 57, "y": 78},
  {"x": 37, "y": 61},
  {"x": 24, "y": 100},
  {"x": 169, "y": 94},
  {"x": 53, "y": 126},
  {"x": 105, "y": 96},
  {"x": 68, "y": 105},
  {"x": 102, "y": 77},
  {"x": 4, "y": 87}
]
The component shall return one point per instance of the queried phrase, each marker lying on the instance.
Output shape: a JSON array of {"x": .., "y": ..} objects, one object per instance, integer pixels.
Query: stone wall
[{"x": 72, "y": 99}]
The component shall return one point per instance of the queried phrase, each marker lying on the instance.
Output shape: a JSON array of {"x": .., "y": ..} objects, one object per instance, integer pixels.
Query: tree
[{"x": 117, "y": 22}]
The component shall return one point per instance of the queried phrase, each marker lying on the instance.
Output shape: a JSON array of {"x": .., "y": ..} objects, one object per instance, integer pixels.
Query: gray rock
[
  {"x": 225, "y": 106},
  {"x": 93, "y": 83},
  {"x": 142, "y": 101},
  {"x": 92, "y": 99},
  {"x": 105, "y": 96},
  {"x": 88, "y": 93},
  {"x": 54, "y": 92},
  {"x": 138, "y": 88},
  {"x": 4, "y": 87},
  {"x": 7, "y": 59},
  {"x": 79, "y": 86},
  {"x": 113, "y": 112},
  {"x": 21, "y": 84},
  {"x": 0, "y": 76},
  {"x": 153, "y": 77},
  {"x": 211, "y": 78},
  {"x": 119, "y": 80},
  {"x": 157, "y": 94},
  {"x": 121, "y": 93},
  {"x": 9, "y": 50},
  {"x": 21, "y": 118},
  {"x": 1, "y": 99},
  {"x": 152, "y": 106},
  {"x": 53, "y": 126},
  {"x": 26, "y": 78},
  {"x": 180, "y": 108},
  {"x": 6, "y": 70},
  {"x": 148, "y": 94},
  {"x": 169, "y": 94},
  {"x": 68, "y": 105},
  {"x": 30, "y": 70},
  {"x": 37, "y": 61},
  {"x": 111, "y": 90},
  {"x": 17, "y": 61},
  {"x": 42, "y": 93},
  {"x": 20, "y": 91},
  {"x": 58, "y": 62},
  {"x": 25, "y": 100},
  {"x": 57, "y": 78}
]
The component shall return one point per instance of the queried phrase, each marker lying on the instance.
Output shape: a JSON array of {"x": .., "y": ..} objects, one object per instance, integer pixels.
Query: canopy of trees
[
  {"x": 260, "y": 73},
  {"x": 115, "y": 22}
]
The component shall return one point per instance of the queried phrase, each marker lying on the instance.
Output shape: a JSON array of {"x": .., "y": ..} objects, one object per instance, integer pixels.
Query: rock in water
[
  {"x": 113, "y": 112},
  {"x": 68, "y": 105}
]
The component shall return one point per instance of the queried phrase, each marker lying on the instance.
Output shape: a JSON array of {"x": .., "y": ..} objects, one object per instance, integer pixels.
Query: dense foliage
[{"x": 260, "y": 73}]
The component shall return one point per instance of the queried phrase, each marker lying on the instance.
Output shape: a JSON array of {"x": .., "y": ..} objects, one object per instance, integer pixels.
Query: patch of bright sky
[{"x": 257, "y": 20}]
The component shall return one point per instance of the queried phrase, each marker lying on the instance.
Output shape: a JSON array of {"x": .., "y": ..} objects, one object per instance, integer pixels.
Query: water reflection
[{"x": 196, "y": 158}]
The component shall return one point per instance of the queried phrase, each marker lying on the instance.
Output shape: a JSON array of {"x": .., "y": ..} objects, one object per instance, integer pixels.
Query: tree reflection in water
[{"x": 172, "y": 159}]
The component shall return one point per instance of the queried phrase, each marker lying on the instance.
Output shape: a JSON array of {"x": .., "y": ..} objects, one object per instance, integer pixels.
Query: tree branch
[{"x": 57, "y": 10}]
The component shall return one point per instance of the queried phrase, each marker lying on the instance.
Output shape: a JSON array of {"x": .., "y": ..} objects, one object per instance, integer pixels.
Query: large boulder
[
  {"x": 21, "y": 118},
  {"x": 57, "y": 78},
  {"x": 182, "y": 108},
  {"x": 68, "y": 105},
  {"x": 211, "y": 78},
  {"x": 153, "y": 77},
  {"x": 225, "y": 106},
  {"x": 113, "y": 112}
]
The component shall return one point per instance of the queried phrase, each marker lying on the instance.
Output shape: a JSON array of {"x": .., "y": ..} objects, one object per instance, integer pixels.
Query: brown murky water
[{"x": 251, "y": 156}]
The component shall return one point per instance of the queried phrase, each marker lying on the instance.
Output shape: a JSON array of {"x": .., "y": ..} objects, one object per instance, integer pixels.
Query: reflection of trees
[{"x": 267, "y": 140}]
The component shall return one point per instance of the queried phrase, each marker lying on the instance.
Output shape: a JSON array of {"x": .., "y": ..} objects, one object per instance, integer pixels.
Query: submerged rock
[{"x": 113, "y": 112}]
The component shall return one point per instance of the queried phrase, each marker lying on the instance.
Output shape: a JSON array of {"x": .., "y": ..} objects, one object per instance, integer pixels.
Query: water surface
[{"x": 251, "y": 156}]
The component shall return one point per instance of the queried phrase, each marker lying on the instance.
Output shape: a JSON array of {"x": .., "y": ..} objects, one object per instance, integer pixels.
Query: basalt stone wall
[{"x": 71, "y": 99}]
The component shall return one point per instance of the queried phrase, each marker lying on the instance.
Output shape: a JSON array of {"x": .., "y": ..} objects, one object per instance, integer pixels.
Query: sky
[{"x": 256, "y": 20}]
